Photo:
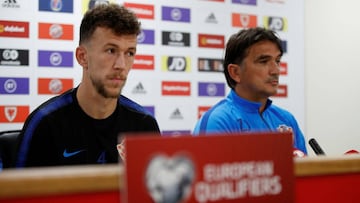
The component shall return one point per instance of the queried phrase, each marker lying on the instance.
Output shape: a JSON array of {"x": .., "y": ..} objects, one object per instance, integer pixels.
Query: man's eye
[
  {"x": 130, "y": 53},
  {"x": 110, "y": 51}
]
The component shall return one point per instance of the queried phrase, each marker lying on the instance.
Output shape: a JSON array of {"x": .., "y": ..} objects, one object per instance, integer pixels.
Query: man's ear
[
  {"x": 234, "y": 72},
  {"x": 81, "y": 56}
]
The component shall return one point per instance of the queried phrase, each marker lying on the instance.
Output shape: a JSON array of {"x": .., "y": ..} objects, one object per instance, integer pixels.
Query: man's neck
[{"x": 94, "y": 104}]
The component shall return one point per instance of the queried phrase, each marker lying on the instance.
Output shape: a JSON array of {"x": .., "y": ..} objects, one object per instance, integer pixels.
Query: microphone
[{"x": 316, "y": 147}]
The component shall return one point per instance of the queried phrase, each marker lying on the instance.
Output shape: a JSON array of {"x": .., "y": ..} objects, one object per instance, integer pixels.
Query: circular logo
[
  {"x": 141, "y": 37},
  {"x": 56, "y": 31},
  {"x": 55, "y": 58},
  {"x": 10, "y": 85},
  {"x": 55, "y": 86},
  {"x": 176, "y": 36},
  {"x": 10, "y": 54},
  {"x": 56, "y": 5},
  {"x": 176, "y": 14},
  {"x": 211, "y": 89}
]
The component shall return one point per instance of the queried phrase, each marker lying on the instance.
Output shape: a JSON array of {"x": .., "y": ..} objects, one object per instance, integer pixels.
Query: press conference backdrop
[{"x": 177, "y": 74}]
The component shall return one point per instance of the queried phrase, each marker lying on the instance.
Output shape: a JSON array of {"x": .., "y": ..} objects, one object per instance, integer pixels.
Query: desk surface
[{"x": 76, "y": 179}]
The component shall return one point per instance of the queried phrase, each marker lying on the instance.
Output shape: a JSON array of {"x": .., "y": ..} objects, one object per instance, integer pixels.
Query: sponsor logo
[
  {"x": 176, "y": 114},
  {"x": 13, "y": 114},
  {"x": 55, "y": 58},
  {"x": 275, "y": 23},
  {"x": 14, "y": 29},
  {"x": 211, "y": 41},
  {"x": 139, "y": 89},
  {"x": 202, "y": 110},
  {"x": 67, "y": 154},
  {"x": 175, "y": 14},
  {"x": 176, "y": 88},
  {"x": 176, "y": 63},
  {"x": 144, "y": 11},
  {"x": 64, "y": 6},
  {"x": 243, "y": 20},
  {"x": 283, "y": 68},
  {"x": 211, "y": 89},
  {"x": 174, "y": 133},
  {"x": 10, "y": 4},
  {"x": 211, "y": 18},
  {"x": 150, "y": 109},
  {"x": 14, "y": 57},
  {"x": 56, "y": 31},
  {"x": 146, "y": 37},
  {"x": 180, "y": 39},
  {"x": 282, "y": 91},
  {"x": 144, "y": 62},
  {"x": 210, "y": 65},
  {"x": 245, "y": 2},
  {"x": 54, "y": 85},
  {"x": 14, "y": 85}
]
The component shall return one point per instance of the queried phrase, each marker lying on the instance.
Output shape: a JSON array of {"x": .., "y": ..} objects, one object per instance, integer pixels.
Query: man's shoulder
[
  {"x": 133, "y": 106},
  {"x": 54, "y": 103}
]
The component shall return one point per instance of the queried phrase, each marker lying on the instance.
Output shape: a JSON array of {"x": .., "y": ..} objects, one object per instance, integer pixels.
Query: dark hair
[
  {"x": 118, "y": 18},
  {"x": 238, "y": 46}
]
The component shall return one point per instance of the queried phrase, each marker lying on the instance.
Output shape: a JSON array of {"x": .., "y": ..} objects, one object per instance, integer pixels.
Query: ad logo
[
  {"x": 283, "y": 68},
  {"x": 275, "y": 23},
  {"x": 211, "y": 41},
  {"x": 146, "y": 37},
  {"x": 169, "y": 179},
  {"x": 54, "y": 85},
  {"x": 55, "y": 58},
  {"x": 245, "y": 2},
  {"x": 139, "y": 89},
  {"x": 282, "y": 91},
  {"x": 14, "y": 29},
  {"x": 180, "y": 39},
  {"x": 175, "y": 14},
  {"x": 176, "y": 63},
  {"x": 14, "y": 85},
  {"x": 175, "y": 88},
  {"x": 56, "y": 31},
  {"x": 13, "y": 114},
  {"x": 243, "y": 20},
  {"x": 144, "y": 62},
  {"x": 56, "y": 6},
  {"x": 144, "y": 11},
  {"x": 210, "y": 65},
  {"x": 211, "y": 89},
  {"x": 14, "y": 57}
]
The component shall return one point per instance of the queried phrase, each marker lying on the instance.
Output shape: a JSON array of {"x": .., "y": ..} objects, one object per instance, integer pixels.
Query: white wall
[{"x": 332, "y": 71}]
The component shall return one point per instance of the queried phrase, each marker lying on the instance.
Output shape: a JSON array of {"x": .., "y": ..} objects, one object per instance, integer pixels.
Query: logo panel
[
  {"x": 245, "y": 2},
  {"x": 144, "y": 62},
  {"x": 174, "y": 133},
  {"x": 14, "y": 29},
  {"x": 283, "y": 68},
  {"x": 55, "y": 58},
  {"x": 276, "y": 23},
  {"x": 243, "y": 20},
  {"x": 180, "y": 39},
  {"x": 13, "y": 114},
  {"x": 211, "y": 41},
  {"x": 54, "y": 85},
  {"x": 14, "y": 85},
  {"x": 146, "y": 37},
  {"x": 282, "y": 91},
  {"x": 56, "y": 31},
  {"x": 176, "y": 88},
  {"x": 175, "y": 14},
  {"x": 64, "y": 6},
  {"x": 176, "y": 63},
  {"x": 14, "y": 57},
  {"x": 144, "y": 11},
  {"x": 210, "y": 65},
  {"x": 211, "y": 89}
]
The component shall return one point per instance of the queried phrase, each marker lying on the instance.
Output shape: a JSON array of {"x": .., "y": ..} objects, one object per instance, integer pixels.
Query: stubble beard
[{"x": 101, "y": 89}]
